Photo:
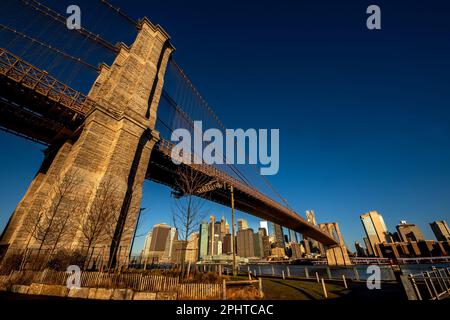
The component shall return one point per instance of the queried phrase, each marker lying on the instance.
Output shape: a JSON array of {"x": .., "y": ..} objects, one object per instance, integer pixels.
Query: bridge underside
[{"x": 34, "y": 116}]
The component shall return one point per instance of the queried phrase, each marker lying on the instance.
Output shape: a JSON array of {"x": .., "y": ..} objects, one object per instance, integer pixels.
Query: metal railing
[
  {"x": 16, "y": 69},
  {"x": 431, "y": 285}
]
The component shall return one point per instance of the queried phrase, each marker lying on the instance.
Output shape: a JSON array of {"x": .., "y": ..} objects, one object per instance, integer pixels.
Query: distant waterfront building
[
  {"x": 223, "y": 227},
  {"x": 375, "y": 229},
  {"x": 158, "y": 240},
  {"x": 203, "y": 240},
  {"x": 258, "y": 244},
  {"x": 368, "y": 247},
  {"x": 360, "y": 251},
  {"x": 245, "y": 243},
  {"x": 266, "y": 248},
  {"x": 218, "y": 229},
  {"x": 211, "y": 235},
  {"x": 178, "y": 251},
  {"x": 296, "y": 250},
  {"x": 419, "y": 249},
  {"x": 173, "y": 236},
  {"x": 440, "y": 230},
  {"x": 264, "y": 225},
  {"x": 192, "y": 248},
  {"x": 148, "y": 240},
  {"x": 217, "y": 250},
  {"x": 278, "y": 252},
  {"x": 279, "y": 241},
  {"x": 226, "y": 244},
  {"x": 409, "y": 232},
  {"x": 242, "y": 224},
  {"x": 394, "y": 237},
  {"x": 293, "y": 236}
]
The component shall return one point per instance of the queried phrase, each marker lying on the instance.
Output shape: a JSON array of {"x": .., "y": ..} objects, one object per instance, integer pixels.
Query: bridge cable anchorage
[
  {"x": 42, "y": 44},
  {"x": 191, "y": 124},
  {"x": 215, "y": 117},
  {"x": 44, "y": 10},
  {"x": 120, "y": 12}
]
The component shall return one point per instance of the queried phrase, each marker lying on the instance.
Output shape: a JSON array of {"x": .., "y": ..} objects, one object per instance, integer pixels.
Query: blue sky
[{"x": 364, "y": 116}]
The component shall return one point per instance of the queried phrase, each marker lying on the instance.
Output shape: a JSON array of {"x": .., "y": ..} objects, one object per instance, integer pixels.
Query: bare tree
[
  {"x": 97, "y": 219},
  {"x": 187, "y": 210},
  {"x": 52, "y": 225}
]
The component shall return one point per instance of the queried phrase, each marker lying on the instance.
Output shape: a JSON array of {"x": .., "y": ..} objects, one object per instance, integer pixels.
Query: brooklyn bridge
[{"x": 106, "y": 111}]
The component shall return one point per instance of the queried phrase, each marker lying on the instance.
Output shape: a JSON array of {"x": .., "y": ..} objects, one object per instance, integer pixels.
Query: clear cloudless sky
[{"x": 364, "y": 116}]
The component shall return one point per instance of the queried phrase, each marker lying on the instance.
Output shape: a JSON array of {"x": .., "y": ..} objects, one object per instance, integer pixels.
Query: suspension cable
[
  {"x": 42, "y": 44},
  {"x": 44, "y": 10},
  {"x": 190, "y": 122},
  {"x": 207, "y": 107},
  {"x": 204, "y": 103},
  {"x": 119, "y": 12}
]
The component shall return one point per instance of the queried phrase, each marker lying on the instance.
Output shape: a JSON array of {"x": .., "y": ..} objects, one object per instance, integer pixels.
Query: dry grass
[{"x": 245, "y": 292}]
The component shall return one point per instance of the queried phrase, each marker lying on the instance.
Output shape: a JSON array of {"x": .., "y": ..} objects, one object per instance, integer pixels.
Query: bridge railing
[
  {"x": 20, "y": 71},
  {"x": 430, "y": 285}
]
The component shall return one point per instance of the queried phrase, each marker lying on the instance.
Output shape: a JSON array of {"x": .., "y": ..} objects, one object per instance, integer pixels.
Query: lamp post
[
  {"x": 233, "y": 239},
  {"x": 134, "y": 233}
]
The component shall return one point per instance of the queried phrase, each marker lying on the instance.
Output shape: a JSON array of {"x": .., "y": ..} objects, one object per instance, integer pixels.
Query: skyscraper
[
  {"x": 192, "y": 248},
  {"x": 266, "y": 248},
  {"x": 148, "y": 240},
  {"x": 245, "y": 244},
  {"x": 223, "y": 227},
  {"x": 203, "y": 240},
  {"x": 172, "y": 236},
  {"x": 409, "y": 232},
  {"x": 360, "y": 251},
  {"x": 258, "y": 244},
  {"x": 279, "y": 236},
  {"x": 160, "y": 235},
  {"x": 368, "y": 247},
  {"x": 211, "y": 235},
  {"x": 226, "y": 244},
  {"x": 242, "y": 224},
  {"x": 297, "y": 251},
  {"x": 265, "y": 225},
  {"x": 440, "y": 230},
  {"x": 375, "y": 229},
  {"x": 293, "y": 236}
]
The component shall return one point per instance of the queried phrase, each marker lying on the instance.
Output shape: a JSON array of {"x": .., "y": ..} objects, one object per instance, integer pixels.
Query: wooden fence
[
  {"x": 135, "y": 281},
  {"x": 199, "y": 291}
]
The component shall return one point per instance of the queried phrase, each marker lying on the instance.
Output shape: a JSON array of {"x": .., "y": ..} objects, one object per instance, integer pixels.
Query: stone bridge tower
[
  {"x": 336, "y": 255},
  {"x": 112, "y": 147}
]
